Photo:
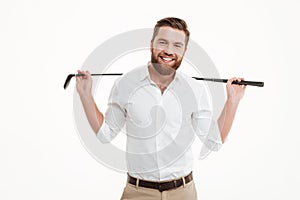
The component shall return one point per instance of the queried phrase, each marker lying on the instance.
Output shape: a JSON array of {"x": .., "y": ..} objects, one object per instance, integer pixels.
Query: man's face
[{"x": 167, "y": 49}]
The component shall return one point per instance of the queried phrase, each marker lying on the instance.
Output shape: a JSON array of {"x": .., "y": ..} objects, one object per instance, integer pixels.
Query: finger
[
  {"x": 239, "y": 80},
  {"x": 89, "y": 75},
  {"x": 229, "y": 82},
  {"x": 84, "y": 75},
  {"x": 242, "y": 79},
  {"x": 80, "y": 72},
  {"x": 79, "y": 77}
]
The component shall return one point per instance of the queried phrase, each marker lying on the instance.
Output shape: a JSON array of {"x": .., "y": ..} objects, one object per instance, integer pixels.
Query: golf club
[{"x": 252, "y": 83}]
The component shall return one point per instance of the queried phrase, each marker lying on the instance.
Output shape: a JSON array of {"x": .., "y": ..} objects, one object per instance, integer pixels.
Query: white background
[{"x": 42, "y": 156}]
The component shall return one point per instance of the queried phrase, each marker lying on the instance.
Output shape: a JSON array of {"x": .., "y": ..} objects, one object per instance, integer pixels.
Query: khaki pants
[{"x": 184, "y": 192}]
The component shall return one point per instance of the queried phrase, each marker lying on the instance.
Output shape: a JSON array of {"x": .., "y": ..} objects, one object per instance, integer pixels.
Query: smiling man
[
  {"x": 168, "y": 46},
  {"x": 162, "y": 110}
]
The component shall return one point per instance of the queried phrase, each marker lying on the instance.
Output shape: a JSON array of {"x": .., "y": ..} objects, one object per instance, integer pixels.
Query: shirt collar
[{"x": 144, "y": 73}]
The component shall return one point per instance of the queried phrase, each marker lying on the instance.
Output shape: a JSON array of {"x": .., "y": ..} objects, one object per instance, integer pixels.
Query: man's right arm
[
  {"x": 94, "y": 116},
  {"x": 84, "y": 89}
]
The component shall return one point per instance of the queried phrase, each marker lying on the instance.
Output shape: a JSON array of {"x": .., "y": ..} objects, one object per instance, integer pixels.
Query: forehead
[{"x": 170, "y": 34}]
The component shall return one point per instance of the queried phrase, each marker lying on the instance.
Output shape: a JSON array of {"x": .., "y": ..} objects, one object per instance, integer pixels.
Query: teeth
[{"x": 167, "y": 59}]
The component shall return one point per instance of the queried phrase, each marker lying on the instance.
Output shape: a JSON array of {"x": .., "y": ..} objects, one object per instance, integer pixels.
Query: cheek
[
  {"x": 155, "y": 52},
  {"x": 179, "y": 53},
  {"x": 158, "y": 47}
]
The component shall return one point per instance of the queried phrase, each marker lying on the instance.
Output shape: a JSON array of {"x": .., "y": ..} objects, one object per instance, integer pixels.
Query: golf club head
[{"x": 68, "y": 80}]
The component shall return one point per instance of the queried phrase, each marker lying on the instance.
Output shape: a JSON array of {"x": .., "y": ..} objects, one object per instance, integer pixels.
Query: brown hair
[{"x": 172, "y": 22}]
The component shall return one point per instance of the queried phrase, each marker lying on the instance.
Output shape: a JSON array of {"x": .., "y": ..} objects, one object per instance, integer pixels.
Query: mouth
[{"x": 166, "y": 59}]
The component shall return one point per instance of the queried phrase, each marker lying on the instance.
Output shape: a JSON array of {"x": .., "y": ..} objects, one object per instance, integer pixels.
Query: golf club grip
[{"x": 253, "y": 83}]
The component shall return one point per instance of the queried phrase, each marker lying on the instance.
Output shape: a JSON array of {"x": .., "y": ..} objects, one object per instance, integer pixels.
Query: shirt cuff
[
  {"x": 104, "y": 133},
  {"x": 212, "y": 141}
]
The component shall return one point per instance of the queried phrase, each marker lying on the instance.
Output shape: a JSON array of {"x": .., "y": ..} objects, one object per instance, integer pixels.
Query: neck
[{"x": 158, "y": 77}]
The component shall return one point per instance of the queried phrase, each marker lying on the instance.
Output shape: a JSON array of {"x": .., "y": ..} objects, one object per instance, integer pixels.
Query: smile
[{"x": 166, "y": 59}]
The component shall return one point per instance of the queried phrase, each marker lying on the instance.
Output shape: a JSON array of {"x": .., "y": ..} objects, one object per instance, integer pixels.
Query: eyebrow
[{"x": 162, "y": 39}]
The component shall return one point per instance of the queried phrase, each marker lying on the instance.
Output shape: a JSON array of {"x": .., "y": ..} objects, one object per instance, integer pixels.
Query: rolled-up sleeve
[
  {"x": 204, "y": 125},
  {"x": 114, "y": 118}
]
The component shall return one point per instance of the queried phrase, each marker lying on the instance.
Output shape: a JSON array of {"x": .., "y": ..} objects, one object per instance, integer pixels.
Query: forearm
[
  {"x": 94, "y": 116},
  {"x": 226, "y": 118}
]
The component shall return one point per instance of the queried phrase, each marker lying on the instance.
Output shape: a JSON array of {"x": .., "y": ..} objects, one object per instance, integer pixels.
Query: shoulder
[
  {"x": 197, "y": 86},
  {"x": 200, "y": 90},
  {"x": 130, "y": 78}
]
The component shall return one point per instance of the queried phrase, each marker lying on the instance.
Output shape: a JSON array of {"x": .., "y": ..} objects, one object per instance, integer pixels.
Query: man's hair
[{"x": 172, "y": 22}]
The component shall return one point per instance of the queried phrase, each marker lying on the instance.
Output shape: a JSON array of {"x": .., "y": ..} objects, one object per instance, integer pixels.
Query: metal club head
[{"x": 69, "y": 77}]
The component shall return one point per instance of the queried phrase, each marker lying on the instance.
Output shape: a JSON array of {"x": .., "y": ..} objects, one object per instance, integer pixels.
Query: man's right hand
[
  {"x": 84, "y": 89},
  {"x": 84, "y": 83}
]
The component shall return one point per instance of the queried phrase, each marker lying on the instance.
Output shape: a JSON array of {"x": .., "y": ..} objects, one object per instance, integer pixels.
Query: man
[{"x": 162, "y": 110}]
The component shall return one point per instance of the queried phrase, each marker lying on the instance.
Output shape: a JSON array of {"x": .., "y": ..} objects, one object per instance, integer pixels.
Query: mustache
[{"x": 172, "y": 56}]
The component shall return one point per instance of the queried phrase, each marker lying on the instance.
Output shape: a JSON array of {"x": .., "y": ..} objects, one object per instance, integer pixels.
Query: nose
[
  {"x": 168, "y": 50},
  {"x": 168, "y": 53}
]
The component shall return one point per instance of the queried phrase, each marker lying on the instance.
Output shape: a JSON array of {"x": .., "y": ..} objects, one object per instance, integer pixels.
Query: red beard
[{"x": 165, "y": 67}]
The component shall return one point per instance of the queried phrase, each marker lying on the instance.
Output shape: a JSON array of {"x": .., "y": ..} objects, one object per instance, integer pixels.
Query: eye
[
  {"x": 178, "y": 46},
  {"x": 162, "y": 42}
]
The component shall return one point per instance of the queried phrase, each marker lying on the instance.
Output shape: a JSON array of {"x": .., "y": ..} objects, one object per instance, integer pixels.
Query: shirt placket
[
  {"x": 160, "y": 101},
  {"x": 159, "y": 118}
]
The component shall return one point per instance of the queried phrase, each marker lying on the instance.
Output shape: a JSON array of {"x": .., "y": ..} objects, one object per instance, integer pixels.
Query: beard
[{"x": 164, "y": 68}]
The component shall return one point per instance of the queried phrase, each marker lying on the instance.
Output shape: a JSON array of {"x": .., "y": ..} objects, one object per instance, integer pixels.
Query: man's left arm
[{"x": 234, "y": 94}]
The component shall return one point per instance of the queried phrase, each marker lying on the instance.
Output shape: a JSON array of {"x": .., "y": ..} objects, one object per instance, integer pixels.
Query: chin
[{"x": 172, "y": 67}]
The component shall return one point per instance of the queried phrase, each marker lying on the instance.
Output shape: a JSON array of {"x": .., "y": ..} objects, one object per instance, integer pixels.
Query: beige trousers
[{"x": 184, "y": 192}]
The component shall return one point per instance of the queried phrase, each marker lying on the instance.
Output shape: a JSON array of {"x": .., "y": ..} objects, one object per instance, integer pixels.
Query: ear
[
  {"x": 185, "y": 48},
  {"x": 151, "y": 45}
]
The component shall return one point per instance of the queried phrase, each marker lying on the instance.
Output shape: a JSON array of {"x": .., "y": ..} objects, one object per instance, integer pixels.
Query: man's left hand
[{"x": 235, "y": 92}]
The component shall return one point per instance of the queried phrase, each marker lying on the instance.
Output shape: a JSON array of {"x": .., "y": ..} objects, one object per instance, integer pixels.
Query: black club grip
[{"x": 253, "y": 83}]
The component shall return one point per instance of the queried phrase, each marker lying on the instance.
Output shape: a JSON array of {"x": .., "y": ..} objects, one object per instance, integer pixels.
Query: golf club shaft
[
  {"x": 252, "y": 83},
  {"x": 106, "y": 74}
]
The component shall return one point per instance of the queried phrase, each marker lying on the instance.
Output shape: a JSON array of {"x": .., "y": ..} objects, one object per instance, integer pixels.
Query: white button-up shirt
[{"x": 160, "y": 127}]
